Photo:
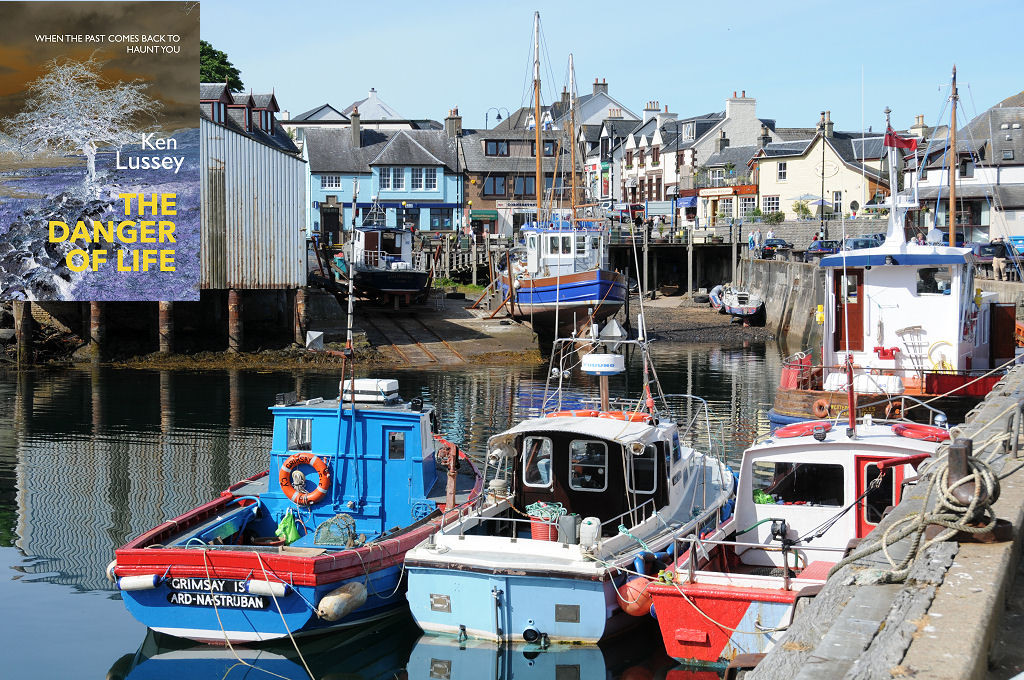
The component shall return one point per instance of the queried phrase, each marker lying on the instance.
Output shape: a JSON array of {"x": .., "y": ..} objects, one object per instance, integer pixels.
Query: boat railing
[
  {"x": 636, "y": 515},
  {"x": 380, "y": 258},
  {"x": 687, "y": 417},
  {"x": 808, "y": 376},
  {"x": 692, "y": 549}
]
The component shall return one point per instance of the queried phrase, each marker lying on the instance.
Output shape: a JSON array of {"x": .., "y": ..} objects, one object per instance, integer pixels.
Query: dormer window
[
  {"x": 218, "y": 111},
  {"x": 549, "y": 148},
  {"x": 688, "y": 131},
  {"x": 495, "y": 148}
]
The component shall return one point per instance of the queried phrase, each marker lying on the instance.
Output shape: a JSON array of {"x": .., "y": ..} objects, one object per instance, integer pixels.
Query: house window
[
  {"x": 537, "y": 462},
  {"x": 629, "y": 159},
  {"x": 408, "y": 217},
  {"x": 725, "y": 206},
  {"x": 300, "y": 434},
  {"x": 417, "y": 179},
  {"x": 718, "y": 177},
  {"x": 525, "y": 186},
  {"x": 385, "y": 178},
  {"x": 781, "y": 173},
  {"x": 769, "y": 204},
  {"x": 495, "y": 148},
  {"x": 640, "y": 158},
  {"x": 330, "y": 181},
  {"x": 430, "y": 179},
  {"x": 588, "y": 465},
  {"x": 967, "y": 168},
  {"x": 655, "y": 156},
  {"x": 549, "y": 147},
  {"x": 837, "y": 201},
  {"x": 558, "y": 185},
  {"x": 1007, "y": 154},
  {"x": 747, "y": 205},
  {"x": 397, "y": 179},
  {"x": 494, "y": 186},
  {"x": 440, "y": 218},
  {"x": 657, "y": 188},
  {"x": 688, "y": 131}
]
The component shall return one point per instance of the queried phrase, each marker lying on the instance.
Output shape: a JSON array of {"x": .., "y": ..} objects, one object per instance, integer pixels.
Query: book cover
[{"x": 99, "y": 151}]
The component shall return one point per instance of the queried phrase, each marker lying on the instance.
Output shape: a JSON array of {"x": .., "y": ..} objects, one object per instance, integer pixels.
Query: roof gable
[
  {"x": 402, "y": 149},
  {"x": 324, "y": 112}
]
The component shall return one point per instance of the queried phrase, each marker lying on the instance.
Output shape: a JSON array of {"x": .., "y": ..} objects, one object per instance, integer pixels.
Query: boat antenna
[
  {"x": 954, "y": 162},
  {"x": 539, "y": 176}
]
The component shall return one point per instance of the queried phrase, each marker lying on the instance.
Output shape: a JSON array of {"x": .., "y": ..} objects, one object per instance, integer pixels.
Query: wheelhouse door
[
  {"x": 871, "y": 507},
  {"x": 371, "y": 248},
  {"x": 849, "y": 296}
]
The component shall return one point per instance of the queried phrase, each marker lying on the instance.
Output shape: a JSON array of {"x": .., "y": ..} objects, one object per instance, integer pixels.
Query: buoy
[
  {"x": 928, "y": 433},
  {"x": 634, "y": 598},
  {"x": 144, "y": 582},
  {"x": 801, "y": 429},
  {"x": 342, "y": 601},
  {"x": 820, "y": 408}
]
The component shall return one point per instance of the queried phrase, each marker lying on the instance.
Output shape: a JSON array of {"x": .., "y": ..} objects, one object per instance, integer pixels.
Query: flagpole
[{"x": 954, "y": 163}]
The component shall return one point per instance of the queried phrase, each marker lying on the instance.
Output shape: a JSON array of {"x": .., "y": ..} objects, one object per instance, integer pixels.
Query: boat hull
[
  {"x": 571, "y": 298},
  {"x": 388, "y": 282},
  {"x": 502, "y": 607}
]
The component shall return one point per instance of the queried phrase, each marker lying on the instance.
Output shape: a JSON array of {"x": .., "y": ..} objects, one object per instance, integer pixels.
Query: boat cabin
[
  {"x": 594, "y": 466},
  {"x": 559, "y": 249},
  {"x": 905, "y": 310},
  {"x": 380, "y": 247},
  {"x": 807, "y": 483}
]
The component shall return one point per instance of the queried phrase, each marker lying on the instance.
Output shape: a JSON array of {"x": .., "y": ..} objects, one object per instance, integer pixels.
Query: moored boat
[
  {"x": 315, "y": 543},
  {"x": 739, "y": 303},
  {"x": 383, "y": 265},
  {"x": 585, "y": 493},
  {"x": 804, "y": 494},
  {"x": 914, "y": 323}
]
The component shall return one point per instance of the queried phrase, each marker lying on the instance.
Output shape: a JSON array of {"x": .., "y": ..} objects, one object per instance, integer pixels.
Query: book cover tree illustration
[{"x": 99, "y": 151}]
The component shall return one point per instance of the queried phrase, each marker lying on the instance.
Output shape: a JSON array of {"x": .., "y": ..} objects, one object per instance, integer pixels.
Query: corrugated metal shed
[{"x": 253, "y": 212}]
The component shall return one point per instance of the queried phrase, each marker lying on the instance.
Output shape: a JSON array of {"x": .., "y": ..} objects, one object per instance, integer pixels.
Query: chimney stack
[
  {"x": 565, "y": 99},
  {"x": 651, "y": 110},
  {"x": 743, "y": 94},
  {"x": 357, "y": 136},
  {"x": 453, "y": 124},
  {"x": 821, "y": 123},
  {"x": 723, "y": 142},
  {"x": 600, "y": 86},
  {"x": 828, "y": 123},
  {"x": 766, "y": 138}
]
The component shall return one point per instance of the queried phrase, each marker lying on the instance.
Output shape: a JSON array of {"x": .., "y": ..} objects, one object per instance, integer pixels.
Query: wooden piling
[
  {"x": 235, "y": 330},
  {"x": 97, "y": 330},
  {"x": 301, "y": 317},
  {"x": 165, "y": 312},
  {"x": 23, "y": 330}
]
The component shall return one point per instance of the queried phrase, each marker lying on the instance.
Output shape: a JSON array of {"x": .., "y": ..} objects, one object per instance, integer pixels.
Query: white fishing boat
[
  {"x": 585, "y": 493},
  {"x": 737, "y": 302}
]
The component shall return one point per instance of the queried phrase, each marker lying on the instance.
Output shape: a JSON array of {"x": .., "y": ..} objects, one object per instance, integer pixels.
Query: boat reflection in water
[
  {"x": 366, "y": 653},
  {"x": 634, "y": 656}
]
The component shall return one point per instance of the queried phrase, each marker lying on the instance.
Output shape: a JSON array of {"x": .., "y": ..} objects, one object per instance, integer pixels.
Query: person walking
[
  {"x": 999, "y": 259},
  {"x": 770, "y": 235},
  {"x": 750, "y": 245}
]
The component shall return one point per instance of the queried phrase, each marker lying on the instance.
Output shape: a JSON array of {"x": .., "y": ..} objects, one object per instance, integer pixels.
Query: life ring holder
[
  {"x": 802, "y": 429},
  {"x": 928, "y": 433},
  {"x": 820, "y": 408},
  {"x": 574, "y": 413},
  {"x": 301, "y": 497}
]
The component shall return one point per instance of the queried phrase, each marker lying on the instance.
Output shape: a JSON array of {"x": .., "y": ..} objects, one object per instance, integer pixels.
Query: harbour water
[{"x": 89, "y": 458}]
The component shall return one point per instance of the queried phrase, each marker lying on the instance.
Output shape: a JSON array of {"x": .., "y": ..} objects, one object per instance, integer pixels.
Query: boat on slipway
[
  {"x": 914, "y": 323},
  {"x": 584, "y": 493},
  {"x": 383, "y": 265},
  {"x": 804, "y": 494},
  {"x": 317, "y": 542},
  {"x": 739, "y": 303},
  {"x": 559, "y": 279}
]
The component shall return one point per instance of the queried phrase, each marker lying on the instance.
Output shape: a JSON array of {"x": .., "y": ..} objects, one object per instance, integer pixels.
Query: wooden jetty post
[
  {"x": 97, "y": 329},
  {"x": 23, "y": 330},
  {"x": 165, "y": 328},
  {"x": 235, "y": 331},
  {"x": 301, "y": 315}
]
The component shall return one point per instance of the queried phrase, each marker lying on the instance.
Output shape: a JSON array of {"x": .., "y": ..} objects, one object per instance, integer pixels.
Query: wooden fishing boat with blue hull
[
  {"x": 363, "y": 481},
  {"x": 627, "y": 480},
  {"x": 561, "y": 272}
]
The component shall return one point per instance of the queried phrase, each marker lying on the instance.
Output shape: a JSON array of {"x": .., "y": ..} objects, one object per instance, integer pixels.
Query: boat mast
[
  {"x": 954, "y": 165},
  {"x": 539, "y": 178},
  {"x": 572, "y": 138}
]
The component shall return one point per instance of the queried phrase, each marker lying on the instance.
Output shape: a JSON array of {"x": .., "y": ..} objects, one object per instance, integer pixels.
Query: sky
[{"x": 797, "y": 58}]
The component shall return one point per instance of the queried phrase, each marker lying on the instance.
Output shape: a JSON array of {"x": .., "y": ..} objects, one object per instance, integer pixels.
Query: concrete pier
[{"x": 941, "y": 620}]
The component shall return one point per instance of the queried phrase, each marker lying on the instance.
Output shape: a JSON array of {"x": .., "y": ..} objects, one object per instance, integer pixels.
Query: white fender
[
  {"x": 268, "y": 588},
  {"x": 342, "y": 601},
  {"x": 109, "y": 571},
  {"x": 144, "y": 582}
]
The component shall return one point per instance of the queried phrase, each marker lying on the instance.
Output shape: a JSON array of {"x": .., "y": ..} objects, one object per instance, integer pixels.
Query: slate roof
[
  {"x": 372, "y": 108},
  {"x": 332, "y": 149},
  {"x": 475, "y": 159},
  {"x": 266, "y": 101},
  {"x": 591, "y": 133},
  {"x": 737, "y": 155},
  {"x": 308, "y": 115},
  {"x": 517, "y": 120},
  {"x": 990, "y": 124},
  {"x": 211, "y": 90},
  {"x": 843, "y": 143}
]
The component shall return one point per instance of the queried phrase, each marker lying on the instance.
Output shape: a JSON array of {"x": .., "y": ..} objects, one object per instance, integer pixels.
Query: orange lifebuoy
[
  {"x": 928, "y": 433},
  {"x": 820, "y": 408},
  {"x": 631, "y": 416},
  {"x": 576, "y": 413},
  {"x": 301, "y": 497},
  {"x": 802, "y": 429}
]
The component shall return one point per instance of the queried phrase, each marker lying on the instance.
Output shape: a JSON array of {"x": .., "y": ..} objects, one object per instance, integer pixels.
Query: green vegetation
[
  {"x": 215, "y": 67},
  {"x": 775, "y": 217},
  {"x": 801, "y": 209}
]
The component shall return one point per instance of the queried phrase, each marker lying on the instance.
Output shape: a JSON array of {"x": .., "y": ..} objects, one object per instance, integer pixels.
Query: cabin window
[
  {"x": 849, "y": 288},
  {"x": 537, "y": 462},
  {"x": 588, "y": 465},
  {"x": 595, "y": 243},
  {"x": 799, "y": 483},
  {"x": 300, "y": 434},
  {"x": 531, "y": 243},
  {"x": 581, "y": 244},
  {"x": 396, "y": 445},
  {"x": 552, "y": 245},
  {"x": 642, "y": 477},
  {"x": 877, "y": 499},
  {"x": 567, "y": 245},
  {"x": 933, "y": 280}
]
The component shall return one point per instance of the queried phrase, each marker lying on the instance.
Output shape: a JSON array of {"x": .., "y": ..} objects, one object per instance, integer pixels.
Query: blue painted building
[{"x": 405, "y": 177}]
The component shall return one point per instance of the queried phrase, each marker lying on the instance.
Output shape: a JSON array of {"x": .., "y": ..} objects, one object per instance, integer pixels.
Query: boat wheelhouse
[
  {"x": 318, "y": 541},
  {"x": 804, "y": 494},
  {"x": 583, "y": 496}
]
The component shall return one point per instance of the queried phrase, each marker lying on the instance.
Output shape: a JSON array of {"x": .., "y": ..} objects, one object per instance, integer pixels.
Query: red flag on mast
[{"x": 892, "y": 139}]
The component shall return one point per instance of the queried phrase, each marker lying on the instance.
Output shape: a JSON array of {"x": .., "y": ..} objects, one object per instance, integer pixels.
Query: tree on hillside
[
  {"x": 71, "y": 108},
  {"x": 215, "y": 67}
]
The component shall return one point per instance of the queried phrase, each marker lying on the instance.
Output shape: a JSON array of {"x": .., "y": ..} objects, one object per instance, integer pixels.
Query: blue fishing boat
[{"x": 317, "y": 542}]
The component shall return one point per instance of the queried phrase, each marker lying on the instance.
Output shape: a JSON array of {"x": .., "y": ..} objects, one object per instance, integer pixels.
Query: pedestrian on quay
[
  {"x": 757, "y": 242},
  {"x": 999, "y": 259},
  {"x": 750, "y": 244}
]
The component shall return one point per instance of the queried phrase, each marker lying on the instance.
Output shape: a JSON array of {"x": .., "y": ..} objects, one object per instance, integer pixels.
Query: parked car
[
  {"x": 819, "y": 249},
  {"x": 775, "y": 247},
  {"x": 1018, "y": 243},
  {"x": 880, "y": 237},
  {"x": 860, "y": 242}
]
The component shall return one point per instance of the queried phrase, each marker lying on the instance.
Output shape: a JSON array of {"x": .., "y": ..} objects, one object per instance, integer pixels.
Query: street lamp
[{"x": 498, "y": 110}]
